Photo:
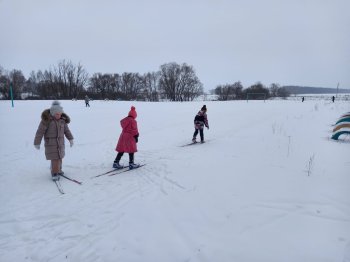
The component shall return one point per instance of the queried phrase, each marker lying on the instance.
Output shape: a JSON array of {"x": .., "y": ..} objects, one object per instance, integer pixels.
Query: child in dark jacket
[{"x": 200, "y": 121}]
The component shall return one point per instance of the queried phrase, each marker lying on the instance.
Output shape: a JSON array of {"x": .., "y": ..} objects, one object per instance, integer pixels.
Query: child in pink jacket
[{"x": 127, "y": 140}]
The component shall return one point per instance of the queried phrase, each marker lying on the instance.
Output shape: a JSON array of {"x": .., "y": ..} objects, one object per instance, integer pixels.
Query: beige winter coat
[{"x": 53, "y": 132}]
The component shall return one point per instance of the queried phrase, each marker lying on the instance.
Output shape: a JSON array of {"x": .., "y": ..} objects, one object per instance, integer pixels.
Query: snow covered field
[{"x": 269, "y": 185}]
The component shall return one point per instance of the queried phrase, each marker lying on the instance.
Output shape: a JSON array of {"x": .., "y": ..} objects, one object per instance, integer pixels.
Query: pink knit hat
[{"x": 132, "y": 112}]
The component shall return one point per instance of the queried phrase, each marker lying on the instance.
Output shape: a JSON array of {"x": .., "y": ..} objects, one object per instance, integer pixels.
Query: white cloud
[{"x": 289, "y": 42}]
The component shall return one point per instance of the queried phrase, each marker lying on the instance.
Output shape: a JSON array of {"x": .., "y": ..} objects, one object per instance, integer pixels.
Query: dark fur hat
[{"x": 46, "y": 117}]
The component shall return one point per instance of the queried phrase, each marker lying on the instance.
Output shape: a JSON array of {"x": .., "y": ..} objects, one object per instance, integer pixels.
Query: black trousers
[
  {"x": 120, "y": 154},
  {"x": 201, "y": 133}
]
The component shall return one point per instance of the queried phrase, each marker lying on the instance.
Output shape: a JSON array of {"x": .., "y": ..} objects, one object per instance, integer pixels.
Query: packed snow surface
[{"x": 269, "y": 185}]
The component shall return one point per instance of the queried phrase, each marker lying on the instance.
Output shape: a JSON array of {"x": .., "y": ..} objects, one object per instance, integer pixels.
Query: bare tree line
[
  {"x": 235, "y": 91},
  {"x": 69, "y": 81},
  {"x": 173, "y": 82}
]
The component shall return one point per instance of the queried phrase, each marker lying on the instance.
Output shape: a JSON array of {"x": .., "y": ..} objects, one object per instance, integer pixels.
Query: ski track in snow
[{"x": 140, "y": 182}]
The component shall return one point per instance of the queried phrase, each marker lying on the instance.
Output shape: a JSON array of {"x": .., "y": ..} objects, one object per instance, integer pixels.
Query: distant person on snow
[
  {"x": 200, "y": 121},
  {"x": 87, "y": 99},
  {"x": 302, "y": 100},
  {"x": 333, "y": 98},
  {"x": 127, "y": 140},
  {"x": 54, "y": 127}
]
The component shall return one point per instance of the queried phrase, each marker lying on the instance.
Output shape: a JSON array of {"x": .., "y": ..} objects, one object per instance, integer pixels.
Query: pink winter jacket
[{"x": 127, "y": 142}]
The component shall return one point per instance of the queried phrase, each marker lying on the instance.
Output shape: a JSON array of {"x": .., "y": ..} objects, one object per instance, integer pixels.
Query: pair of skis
[
  {"x": 192, "y": 143},
  {"x": 113, "y": 172},
  {"x": 116, "y": 171},
  {"x": 59, "y": 186}
]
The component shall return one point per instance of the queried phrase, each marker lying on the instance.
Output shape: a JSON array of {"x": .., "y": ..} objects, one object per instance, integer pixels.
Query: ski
[
  {"x": 71, "y": 179},
  {"x": 194, "y": 143},
  {"x": 190, "y": 144},
  {"x": 126, "y": 170},
  {"x": 110, "y": 171},
  {"x": 59, "y": 187}
]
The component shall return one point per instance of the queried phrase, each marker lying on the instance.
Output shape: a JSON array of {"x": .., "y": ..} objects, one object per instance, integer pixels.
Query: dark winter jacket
[
  {"x": 53, "y": 132},
  {"x": 201, "y": 120}
]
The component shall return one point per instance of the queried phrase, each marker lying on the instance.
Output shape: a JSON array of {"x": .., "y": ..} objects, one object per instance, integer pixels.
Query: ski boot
[
  {"x": 132, "y": 165},
  {"x": 55, "y": 176},
  {"x": 202, "y": 141},
  {"x": 194, "y": 140},
  {"x": 117, "y": 165}
]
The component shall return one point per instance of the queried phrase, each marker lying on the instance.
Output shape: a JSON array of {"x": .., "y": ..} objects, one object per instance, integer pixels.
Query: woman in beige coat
[{"x": 53, "y": 127}]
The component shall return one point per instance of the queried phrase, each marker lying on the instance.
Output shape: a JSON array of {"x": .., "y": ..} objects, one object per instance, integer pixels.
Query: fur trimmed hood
[{"x": 46, "y": 116}]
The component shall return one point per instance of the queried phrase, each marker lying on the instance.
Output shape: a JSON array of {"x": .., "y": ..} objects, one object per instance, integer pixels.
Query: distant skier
[
  {"x": 54, "y": 127},
  {"x": 333, "y": 98},
  {"x": 200, "y": 121},
  {"x": 302, "y": 100},
  {"x": 128, "y": 139},
  {"x": 87, "y": 99}
]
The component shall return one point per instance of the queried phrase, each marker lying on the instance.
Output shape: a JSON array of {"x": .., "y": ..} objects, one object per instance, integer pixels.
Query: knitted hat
[
  {"x": 132, "y": 112},
  {"x": 204, "y": 108},
  {"x": 56, "y": 108}
]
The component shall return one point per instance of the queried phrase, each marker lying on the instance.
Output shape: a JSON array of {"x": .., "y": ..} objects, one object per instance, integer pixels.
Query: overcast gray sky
[{"x": 290, "y": 42}]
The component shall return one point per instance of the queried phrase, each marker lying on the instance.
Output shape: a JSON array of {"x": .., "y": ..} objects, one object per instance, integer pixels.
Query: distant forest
[
  {"x": 315, "y": 90},
  {"x": 172, "y": 82}
]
